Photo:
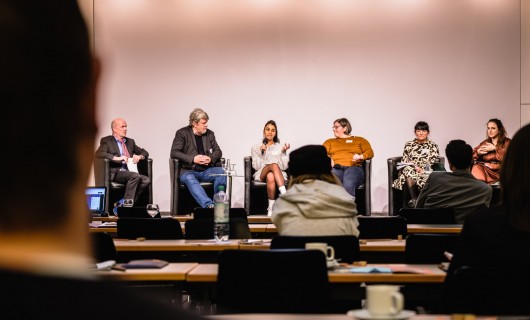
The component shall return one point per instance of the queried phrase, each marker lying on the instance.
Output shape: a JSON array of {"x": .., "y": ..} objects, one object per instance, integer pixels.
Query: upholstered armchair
[
  {"x": 397, "y": 198},
  {"x": 116, "y": 190},
  {"x": 182, "y": 202}
]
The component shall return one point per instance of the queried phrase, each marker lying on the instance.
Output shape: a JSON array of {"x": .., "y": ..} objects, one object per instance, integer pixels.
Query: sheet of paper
[{"x": 133, "y": 167}]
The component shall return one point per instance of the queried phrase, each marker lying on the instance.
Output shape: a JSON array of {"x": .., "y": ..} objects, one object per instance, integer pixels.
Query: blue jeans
[
  {"x": 192, "y": 180},
  {"x": 351, "y": 177}
]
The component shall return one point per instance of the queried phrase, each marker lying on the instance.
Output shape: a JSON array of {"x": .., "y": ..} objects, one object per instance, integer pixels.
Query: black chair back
[
  {"x": 382, "y": 227},
  {"x": 346, "y": 247},
  {"x": 428, "y": 248},
  {"x": 272, "y": 281},
  {"x": 150, "y": 228},
  {"x": 103, "y": 247},
  {"x": 203, "y": 229},
  {"x": 499, "y": 289},
  {"x": 428, "y": 215}
]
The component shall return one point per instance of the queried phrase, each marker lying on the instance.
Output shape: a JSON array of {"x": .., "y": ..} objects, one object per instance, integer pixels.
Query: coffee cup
[
  {"x": 322, "y": 246},
  {"x": 384, "y": 300}
]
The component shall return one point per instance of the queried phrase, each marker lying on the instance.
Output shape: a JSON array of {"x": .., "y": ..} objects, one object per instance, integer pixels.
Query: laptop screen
[{"x": 96, "y": 200}]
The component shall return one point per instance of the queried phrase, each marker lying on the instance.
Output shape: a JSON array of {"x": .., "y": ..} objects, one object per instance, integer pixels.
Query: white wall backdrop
[{"x": 384, "y": 65}]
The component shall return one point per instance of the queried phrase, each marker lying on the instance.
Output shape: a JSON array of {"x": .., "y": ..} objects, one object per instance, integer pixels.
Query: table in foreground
[
  {"x": 420, "y": 284},
  {"x": 165, "y": 284}
]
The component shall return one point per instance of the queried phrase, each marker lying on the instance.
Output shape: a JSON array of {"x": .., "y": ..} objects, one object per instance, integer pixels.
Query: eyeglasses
[{"x": 336, "y": 127}]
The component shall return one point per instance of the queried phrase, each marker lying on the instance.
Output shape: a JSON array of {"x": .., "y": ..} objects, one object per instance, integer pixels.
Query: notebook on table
[{"x": 96, "y": 198}]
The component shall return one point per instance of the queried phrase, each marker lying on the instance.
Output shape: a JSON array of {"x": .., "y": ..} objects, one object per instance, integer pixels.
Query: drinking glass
[
  {"x": 152, "y": 209},
  {"x": 128, "y": 202},
  {"x": 226, "y": 165},
  {"x": 232, "y": 171}
]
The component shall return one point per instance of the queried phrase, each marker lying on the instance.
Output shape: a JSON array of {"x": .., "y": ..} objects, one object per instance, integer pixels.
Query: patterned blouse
[{"x": 420, "y": 154}]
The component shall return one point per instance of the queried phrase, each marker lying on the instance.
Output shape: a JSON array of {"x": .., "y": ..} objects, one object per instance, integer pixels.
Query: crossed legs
[
  {"x": 135, "y": 183},
  {"x": 272, "y": 175}
]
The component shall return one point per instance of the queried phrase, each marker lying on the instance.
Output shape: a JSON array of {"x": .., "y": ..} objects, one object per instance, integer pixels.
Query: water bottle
[{"x": 220, "y": 215}]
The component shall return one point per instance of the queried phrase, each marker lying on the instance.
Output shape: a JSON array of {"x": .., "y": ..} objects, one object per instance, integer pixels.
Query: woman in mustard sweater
[{"x": 347, "y": 155}]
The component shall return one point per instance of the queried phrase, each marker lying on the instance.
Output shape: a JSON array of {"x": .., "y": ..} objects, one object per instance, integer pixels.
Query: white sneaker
[{"x": 269, "y": 212}]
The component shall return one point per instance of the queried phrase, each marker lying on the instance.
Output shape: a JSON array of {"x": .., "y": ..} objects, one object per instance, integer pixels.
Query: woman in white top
[{"x": 270, "y": 160}]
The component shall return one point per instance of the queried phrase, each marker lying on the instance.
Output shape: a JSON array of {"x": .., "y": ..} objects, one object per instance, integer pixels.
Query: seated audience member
[
  {"x": 199, "y": 157},
  {"x": 315, "y": 202},
  {"x": 119, "y": 149},
  {"x": 420, "y": 152},
  {"x": 458, "y": 189},
  {"x": 270, "y": 159},
  {"x": 489, "y": 153},
  {"x": 348, "y": 153},
  {"x": 47, "y": 83},
  {"x": 499, "y": 237}
]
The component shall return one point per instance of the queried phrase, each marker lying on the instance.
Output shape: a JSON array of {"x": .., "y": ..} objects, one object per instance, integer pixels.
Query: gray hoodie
[{"x": 315, "y": 207}]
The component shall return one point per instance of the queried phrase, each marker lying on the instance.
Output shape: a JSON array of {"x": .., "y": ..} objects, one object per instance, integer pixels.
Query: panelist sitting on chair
[
  {"x": 120, "y": 149},
  {"x": 270, "y": 161},
  {"x": 315, "y": 202},
  {"x": 458, "y": 189},
  {"x": 199, "y": 156},
  {"x": 348, "y": 153}
]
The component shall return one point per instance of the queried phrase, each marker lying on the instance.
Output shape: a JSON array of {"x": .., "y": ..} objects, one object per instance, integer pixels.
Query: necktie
[{"x": 124, "y": 148}]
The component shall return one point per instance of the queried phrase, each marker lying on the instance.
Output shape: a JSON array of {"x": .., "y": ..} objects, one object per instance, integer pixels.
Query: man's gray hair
[{"x": 196, "y": 115}]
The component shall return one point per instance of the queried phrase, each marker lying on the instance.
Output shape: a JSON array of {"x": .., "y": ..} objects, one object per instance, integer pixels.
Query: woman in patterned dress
[
  {"x": 419, "y": 153},
  {"x": 489, "y": 154}
]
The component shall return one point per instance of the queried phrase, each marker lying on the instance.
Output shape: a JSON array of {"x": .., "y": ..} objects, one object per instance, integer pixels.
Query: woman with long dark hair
[
  {"x": 488, "y": 155},
  {"x": 270, "y": 160}
]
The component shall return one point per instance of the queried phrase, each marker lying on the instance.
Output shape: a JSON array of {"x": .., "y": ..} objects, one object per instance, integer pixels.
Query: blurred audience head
[
  {"x": 310, "y": 162},
  {"x": 515, "y": 180},
  {"x": 47, "y": 77},
  {"x": 459, "y": 154}
]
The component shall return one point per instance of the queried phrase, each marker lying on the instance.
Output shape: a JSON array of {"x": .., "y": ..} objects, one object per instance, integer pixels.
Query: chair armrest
[
  {"x": 248, "y": 179},
  {"x": 392, "y": 174},
  {"x": 174, "y": 172},
  {"x": 102, "y": 172},
  {"x": 368, "y": 186}
]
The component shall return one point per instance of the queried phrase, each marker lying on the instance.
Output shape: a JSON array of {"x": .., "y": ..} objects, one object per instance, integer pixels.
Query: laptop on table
[{"x": 96, "y": 198}]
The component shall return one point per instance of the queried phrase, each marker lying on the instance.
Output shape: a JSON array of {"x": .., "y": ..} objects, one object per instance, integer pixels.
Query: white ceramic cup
[
  {"x": 322, "y": 246},
  {"x": 384, "y": 300}
]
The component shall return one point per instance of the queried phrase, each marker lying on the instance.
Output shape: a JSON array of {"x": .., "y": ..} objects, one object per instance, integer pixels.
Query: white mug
[
  {"x": 384, "y": 300},
  {"x": 322, "y": 246}
]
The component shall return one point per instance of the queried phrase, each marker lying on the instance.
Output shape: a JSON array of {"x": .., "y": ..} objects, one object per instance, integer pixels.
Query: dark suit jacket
[
  {"x": 184, "y": 148},
  {"x": 108, "y": 148}
]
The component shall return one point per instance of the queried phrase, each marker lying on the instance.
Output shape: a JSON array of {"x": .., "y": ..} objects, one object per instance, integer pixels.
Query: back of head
[
  {"x": 47, "y": 106},
  {"x": 514, "y": 179},
  {"x": 459, "y": 154},
  {"x": 310, "y": 162}
]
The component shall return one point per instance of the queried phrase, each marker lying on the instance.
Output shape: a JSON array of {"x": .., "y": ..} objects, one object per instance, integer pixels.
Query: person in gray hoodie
[{"x": 315, "y": 203}]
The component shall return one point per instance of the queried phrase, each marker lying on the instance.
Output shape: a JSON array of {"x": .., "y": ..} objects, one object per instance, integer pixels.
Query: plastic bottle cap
[{"x": 221, "y": 188}]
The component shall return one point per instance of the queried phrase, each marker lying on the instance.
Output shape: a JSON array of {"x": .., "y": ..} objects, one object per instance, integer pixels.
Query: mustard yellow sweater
[{"x": 341, "y": 150}]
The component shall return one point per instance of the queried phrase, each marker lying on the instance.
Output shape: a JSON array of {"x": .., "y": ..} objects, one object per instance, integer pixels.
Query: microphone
[{"x": 265, "y": 143}]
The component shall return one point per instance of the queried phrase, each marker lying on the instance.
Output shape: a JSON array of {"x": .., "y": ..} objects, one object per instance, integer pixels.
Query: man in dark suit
[
  {"x": 47, "y": 82},
  {"x": 120, "y": 150},
  {"x": 199, "y": 156},
  {"x": 458, "y": 189}
]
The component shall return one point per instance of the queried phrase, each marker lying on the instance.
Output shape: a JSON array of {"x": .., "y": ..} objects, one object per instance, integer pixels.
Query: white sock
[
  {"x": 271, "y": 203},
  {"x": 282, "y": 189}
]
